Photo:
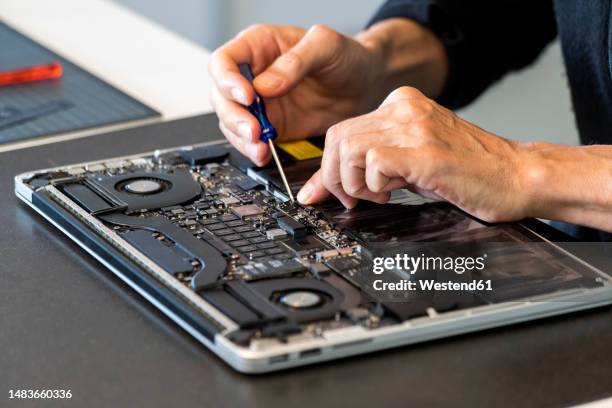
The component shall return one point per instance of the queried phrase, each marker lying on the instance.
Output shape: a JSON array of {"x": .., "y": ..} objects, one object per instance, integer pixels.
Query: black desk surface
[{"x": 68, "y": 323}]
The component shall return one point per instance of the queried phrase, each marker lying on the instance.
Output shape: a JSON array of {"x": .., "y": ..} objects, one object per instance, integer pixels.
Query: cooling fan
[{"x": 150, "y": 190}]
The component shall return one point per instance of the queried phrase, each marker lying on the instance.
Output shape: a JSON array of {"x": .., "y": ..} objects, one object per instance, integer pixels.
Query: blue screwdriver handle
[{"x": 258, "y": 108}]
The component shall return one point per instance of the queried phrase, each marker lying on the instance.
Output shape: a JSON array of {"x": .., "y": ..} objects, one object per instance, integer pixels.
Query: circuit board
[{"x": 206, "y": 222}]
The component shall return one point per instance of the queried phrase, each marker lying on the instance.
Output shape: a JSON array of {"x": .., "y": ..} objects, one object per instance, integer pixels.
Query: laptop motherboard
[{"x": 208, "y": 225}]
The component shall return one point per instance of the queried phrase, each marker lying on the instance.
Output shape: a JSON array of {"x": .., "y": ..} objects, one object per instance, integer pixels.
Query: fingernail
[
  {"x": 349, "y": 205},
  {"x": 269, "y": 81},
  {"x": 304, "y": 194},
  {"x": 244, "y": 130},
  {"x": 239, "y": 96}
]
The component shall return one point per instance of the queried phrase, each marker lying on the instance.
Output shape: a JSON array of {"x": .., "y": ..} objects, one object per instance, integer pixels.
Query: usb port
[
  {"x": 310, "y": 352},
  {"x": 279, "y": 359}
]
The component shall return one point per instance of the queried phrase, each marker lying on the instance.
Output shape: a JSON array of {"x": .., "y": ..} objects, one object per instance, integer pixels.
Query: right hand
[{"x": 310, "y": 80}]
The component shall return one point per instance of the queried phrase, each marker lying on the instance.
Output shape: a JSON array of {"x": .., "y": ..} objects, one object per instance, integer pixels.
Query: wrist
[
  {"x": 568, "y": 183},
  {"x": 406, "y": 53},
  {"x": 375, "y": 89},
  {"x": 535, "y": 178}
]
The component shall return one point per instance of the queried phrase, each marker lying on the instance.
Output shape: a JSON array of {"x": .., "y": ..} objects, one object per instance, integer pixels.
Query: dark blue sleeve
[{"x": 484, "y": 39}]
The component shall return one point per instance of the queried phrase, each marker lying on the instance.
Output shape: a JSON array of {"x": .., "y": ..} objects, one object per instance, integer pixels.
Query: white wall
[
  {"x": 212, "y": 22},
  {"x": 347, "y": 16},
  {"x": 531, "y": 105}
]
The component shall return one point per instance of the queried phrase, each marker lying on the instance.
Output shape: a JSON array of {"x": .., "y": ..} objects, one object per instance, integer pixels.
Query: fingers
[
  {"x": 313, "y": 191},
  {"x": 235, "y": 117},
  {"x": 387, "y": 168},
  {"x": 342, "y": 170},
  {"x": 282, "y": 69},
  {"x": 343, "y": 165},
  {"x": 326, "y": 182},
  {"x": 373, "y": 180},
  {"x": 231, "y": 92},
  {"x": 258, "y": 152},
  {"x": 287, "y": 54},
  {"x": 223, "y": 67},
  {"x": 316, "y": 49},
  {"x": 240, "y": 128},
  {"x": 330, "y": 171},
  {"x": 352, "y": 162},
  {"x": 340, "y": 151},
  {"x": 256, "y": 45}
]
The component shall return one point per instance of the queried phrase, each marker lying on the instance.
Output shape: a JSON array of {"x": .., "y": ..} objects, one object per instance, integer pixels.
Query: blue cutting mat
[{"x": 77, "y": 101}]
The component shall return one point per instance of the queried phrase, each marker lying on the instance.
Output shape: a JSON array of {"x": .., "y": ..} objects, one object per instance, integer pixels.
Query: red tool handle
[{"x": 31, "y": 74}]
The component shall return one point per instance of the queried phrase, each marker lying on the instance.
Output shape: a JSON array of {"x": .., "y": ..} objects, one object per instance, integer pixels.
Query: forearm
[
  {"x": 410, "y": 54},
  {"x": 572, "y": 184}
]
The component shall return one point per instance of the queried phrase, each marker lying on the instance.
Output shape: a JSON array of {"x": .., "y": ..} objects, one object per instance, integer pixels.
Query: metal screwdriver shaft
[
  {"x": 280, "y": 170},
  {"x": 268, "y": 132}
]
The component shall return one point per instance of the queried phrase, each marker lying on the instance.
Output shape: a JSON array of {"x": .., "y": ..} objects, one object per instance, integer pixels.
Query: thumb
[
  {"x": 316, "y": 49},
  {"x": 313, "y": 191}
]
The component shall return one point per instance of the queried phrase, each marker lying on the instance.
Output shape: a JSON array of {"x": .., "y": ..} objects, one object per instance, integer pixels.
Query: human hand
[
  {"x": 412, "y": 142},
  {"x": 310, "y": 79}
]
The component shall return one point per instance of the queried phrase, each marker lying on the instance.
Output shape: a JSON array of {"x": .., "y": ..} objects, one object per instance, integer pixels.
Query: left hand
[{"x": 412, "y": 142}]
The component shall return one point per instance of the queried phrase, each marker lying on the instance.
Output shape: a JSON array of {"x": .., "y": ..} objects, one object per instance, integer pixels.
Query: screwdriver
[
  {"x": 44, "y": 72},
  {"x": 268, "y": 132}
]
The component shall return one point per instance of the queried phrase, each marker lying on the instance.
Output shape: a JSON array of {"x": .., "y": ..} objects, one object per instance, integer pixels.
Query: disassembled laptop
[{"x": 266, "y": 284}]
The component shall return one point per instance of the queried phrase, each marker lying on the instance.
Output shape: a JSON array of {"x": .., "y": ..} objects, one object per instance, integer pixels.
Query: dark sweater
[{"x": 486, "y": 39}]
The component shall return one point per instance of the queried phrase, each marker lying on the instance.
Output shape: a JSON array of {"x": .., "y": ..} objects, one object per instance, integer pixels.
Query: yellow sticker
[{"x": 301, "y": 149}]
